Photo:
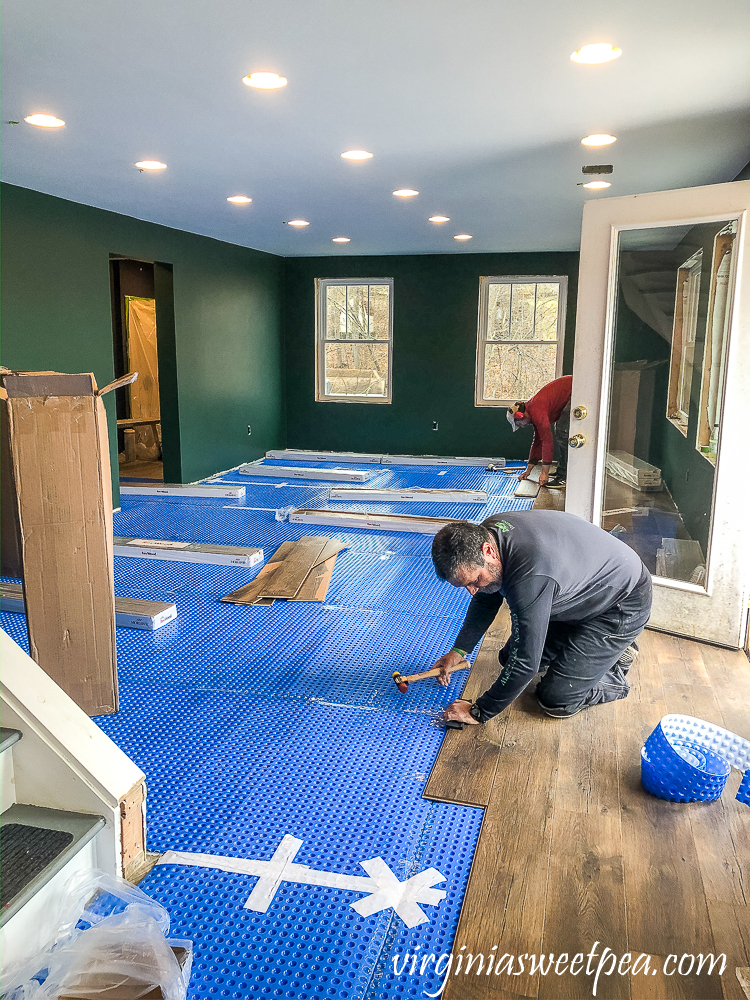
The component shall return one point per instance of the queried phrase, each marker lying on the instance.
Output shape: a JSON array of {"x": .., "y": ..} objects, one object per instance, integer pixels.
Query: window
[
  {"x": 520, "y": 341},
  {"x": 354, "y": 339},
  {"x": 682, "y": 356},
  {"x": 715, "y": 348}
]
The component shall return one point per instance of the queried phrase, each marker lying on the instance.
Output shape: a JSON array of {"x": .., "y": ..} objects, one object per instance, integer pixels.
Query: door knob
[
  {"x": 577, "y": 441},
  {"x": 580, "y": 412}
]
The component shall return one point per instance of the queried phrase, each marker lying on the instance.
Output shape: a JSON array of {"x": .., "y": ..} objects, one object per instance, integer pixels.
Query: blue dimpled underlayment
[{"x": 255, "y": 723}]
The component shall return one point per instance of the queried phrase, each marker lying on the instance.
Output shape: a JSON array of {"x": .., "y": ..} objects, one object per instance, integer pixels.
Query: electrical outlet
[
  {"x": 249, "y": 430},
  {"x": 434, "y": 425}
]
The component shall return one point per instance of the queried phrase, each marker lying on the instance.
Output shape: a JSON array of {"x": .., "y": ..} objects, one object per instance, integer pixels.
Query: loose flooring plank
[
  {"x": 585, "y": 900},
  {"x": 731, "y": 937},
  {"x": 465, "y": 765},
  {"x": 287, "y": 581},
  {"x": 505, "y": 900},
  {"x": 251, "y": 592}
]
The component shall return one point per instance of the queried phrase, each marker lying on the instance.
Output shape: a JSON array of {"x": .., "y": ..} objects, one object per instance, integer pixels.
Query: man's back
[{"x": 590, "y": 569}]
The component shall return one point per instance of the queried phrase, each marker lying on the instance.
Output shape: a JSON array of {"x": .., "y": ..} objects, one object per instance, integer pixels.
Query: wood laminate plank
[
  {"x": 681, "y": 662},
  {"x": 465, "y": 764},
  {"x": 588, "y": 775},
  {"x": 729, "y": 671},
  {"x": 505, "y": 899},
  {"x": 721, "y": 831},
  {"x": 252, "y": 591},
  {"x": 652, "y": 982},
  {"x": 731, "y": 937},
  {"x": 667, "y": 910},
  {"x": 287, "y": 581},
  {"x": 666, "y": 903},
  {"x": 585, "y": 900}
]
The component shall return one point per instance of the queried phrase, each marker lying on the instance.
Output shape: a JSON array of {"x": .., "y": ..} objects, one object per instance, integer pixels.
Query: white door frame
[{"x": 717, "y": 613}]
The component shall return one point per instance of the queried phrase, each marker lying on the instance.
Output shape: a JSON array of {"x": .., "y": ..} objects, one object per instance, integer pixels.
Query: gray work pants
[
  {"x": 562, "y": 431},
  {"x": 582, "y": 657}
]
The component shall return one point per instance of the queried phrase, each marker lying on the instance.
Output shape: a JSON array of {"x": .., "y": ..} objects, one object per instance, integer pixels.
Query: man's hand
[
  {"x": 458, "y": 711},
  {"x": 444, "y": 664},
  {"x": 527, "y": 471},
  {"x": 544, "y": 475}
]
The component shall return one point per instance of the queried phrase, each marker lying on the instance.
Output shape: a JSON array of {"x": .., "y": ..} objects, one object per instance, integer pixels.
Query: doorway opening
[{"x": 139, "y": 435}]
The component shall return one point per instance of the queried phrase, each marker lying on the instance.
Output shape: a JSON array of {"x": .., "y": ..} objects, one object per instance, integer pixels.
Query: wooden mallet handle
[{"x": 401, "y": 680}]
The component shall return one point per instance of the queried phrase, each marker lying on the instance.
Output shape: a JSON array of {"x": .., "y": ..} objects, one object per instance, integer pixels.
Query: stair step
[
  {"x": 35, "y": 844},
  {"x": 8, "y": 737}
]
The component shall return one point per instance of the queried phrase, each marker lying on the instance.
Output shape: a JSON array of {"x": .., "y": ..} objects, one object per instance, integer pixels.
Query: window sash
[
  {"x": 483, "y": 323},
  {"x": 322, "y": 340}
]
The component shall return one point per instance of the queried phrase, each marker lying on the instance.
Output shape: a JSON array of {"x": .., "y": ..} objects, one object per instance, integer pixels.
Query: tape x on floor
[{"x": 277, "y": 733}]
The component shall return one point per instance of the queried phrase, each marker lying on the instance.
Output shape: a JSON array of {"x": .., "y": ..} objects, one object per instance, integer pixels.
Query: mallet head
[{"x": 400, "y": 683}]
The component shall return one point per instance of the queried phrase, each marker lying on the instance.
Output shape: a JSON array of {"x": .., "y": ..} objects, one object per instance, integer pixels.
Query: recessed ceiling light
[
  {"x": 298, "y": 223},
  {"x": 340, "y": 239},
  {"x": 439, "y": 218},
  {"x": 356, "y": 154},
  {"x": 44, "y": 121},
  {"x": 265, "y": 81},
  {"x": 239, "y": 199},
  {"x": 599, "y": 52},
  {"x": 151, "y": 165},
  {"x": 598, "y": 139},
  {"x": 463, "y": 236},
  {"x": 406, "y": 193},
  {"x": 597, "y": 185}
]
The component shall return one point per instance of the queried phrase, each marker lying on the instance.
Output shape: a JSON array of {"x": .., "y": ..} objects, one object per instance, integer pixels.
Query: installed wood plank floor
[{"x": 573, "y": 853}]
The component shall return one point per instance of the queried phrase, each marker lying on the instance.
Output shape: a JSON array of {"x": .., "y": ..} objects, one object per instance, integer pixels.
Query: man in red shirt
[{"x": 549, "y": 412}]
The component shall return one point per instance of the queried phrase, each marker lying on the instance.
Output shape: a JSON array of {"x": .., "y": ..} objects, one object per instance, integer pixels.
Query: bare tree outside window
[
  {"x": 355, "y": 333},
  {"x": 520, "y": 337}
]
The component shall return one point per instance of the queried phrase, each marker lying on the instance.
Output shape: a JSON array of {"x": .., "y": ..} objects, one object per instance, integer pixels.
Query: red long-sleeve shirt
[{"x": 544, "y": 409}]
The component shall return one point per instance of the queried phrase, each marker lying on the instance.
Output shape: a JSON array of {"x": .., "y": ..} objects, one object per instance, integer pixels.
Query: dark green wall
[
  {"x": 220, "y": 342},
  {"x": 435, "y": 301}
]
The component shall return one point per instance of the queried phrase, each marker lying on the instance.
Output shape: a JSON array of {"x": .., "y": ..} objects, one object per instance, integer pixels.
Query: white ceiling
[{"x": 475, "y": 103}]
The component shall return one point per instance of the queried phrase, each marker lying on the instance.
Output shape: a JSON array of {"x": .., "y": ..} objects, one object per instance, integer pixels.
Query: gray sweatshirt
[{"x": 556, "y": 568}]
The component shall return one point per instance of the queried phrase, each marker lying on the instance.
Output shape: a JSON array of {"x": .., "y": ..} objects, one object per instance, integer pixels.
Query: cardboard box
[
  {"x": 182, "y": 492},
  {"x": 370, "y": 520},
  {"x": 130, "y": 612},
  {"x": 10, "y": 529},
  {"x": 60, "y": 459},
  {"x": 194, "y": 552},
  {"x": 292, "y": 472}
]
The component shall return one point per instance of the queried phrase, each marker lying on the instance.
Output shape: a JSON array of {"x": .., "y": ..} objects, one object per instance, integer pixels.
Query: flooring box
[
  {"x": 194, "y": 552},
  {"x": 130, "y": 612},
  {"x": 59, "y": 452}
]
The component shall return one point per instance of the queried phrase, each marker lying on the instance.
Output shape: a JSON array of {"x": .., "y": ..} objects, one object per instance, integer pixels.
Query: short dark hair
[
  {"x": 456, "y": 545},
  {"x": 521, "y": 407}
]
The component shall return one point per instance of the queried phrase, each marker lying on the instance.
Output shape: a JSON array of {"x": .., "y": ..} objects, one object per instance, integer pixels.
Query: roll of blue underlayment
[{"x": 688, "y": 760}]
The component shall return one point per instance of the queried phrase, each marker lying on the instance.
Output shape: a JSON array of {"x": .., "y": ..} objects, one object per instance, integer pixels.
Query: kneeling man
[{"x": 578, "y": 598}]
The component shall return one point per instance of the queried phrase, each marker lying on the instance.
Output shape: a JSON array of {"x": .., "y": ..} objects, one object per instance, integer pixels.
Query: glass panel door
[{"x": 661, "y": 397}]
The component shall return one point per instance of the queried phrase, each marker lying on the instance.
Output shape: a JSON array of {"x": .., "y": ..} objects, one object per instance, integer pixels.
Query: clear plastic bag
[{"x": 109, "y": 940}]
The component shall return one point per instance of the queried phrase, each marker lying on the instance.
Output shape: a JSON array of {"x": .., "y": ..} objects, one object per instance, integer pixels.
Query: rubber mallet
[{"x": 402, "y": 683}]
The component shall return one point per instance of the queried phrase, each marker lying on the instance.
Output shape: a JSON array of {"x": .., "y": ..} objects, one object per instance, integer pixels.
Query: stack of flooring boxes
[
  {"x": 634, "y": 472},
  {"x": 298, "y": 571}
]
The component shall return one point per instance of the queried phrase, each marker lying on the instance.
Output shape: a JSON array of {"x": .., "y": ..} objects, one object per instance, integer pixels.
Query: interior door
[{"x": 660, "y": 415}]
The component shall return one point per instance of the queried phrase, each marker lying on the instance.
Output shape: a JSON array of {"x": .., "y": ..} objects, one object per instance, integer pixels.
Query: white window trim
[
  {"x": 320, "y": 340},
  {"x": 512, "y": 279}
]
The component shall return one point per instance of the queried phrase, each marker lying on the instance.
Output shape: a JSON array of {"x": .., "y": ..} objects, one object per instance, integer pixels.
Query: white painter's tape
[{"x": 383, "y": 889}]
